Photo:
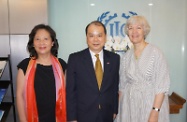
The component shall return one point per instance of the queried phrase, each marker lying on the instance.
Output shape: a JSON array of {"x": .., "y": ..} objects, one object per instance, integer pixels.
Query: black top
[{"x": 44, "y": 85}]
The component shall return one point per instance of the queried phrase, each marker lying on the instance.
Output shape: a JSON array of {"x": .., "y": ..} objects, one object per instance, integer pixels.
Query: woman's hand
[{"x": 153, "y": 117}]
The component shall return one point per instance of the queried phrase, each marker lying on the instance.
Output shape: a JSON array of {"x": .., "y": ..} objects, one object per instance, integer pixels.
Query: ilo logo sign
[
  {"x": 115, "y": 22},
  {"x": 117, "y": 40}
]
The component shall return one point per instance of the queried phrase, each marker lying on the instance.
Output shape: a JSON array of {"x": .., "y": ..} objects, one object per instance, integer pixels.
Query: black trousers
[{"x": 99, "y": 117}]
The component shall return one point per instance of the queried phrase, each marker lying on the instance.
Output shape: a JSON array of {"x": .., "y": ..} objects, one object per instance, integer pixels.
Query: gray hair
[{"x": 137, "y": 19}]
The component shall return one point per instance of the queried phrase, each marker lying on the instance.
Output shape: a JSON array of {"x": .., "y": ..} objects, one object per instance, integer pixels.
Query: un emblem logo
[{"x": 117, "y": 40}]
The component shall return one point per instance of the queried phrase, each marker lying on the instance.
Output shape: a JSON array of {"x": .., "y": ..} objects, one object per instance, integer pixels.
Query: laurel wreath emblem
[{"x": 105, "y": 15}]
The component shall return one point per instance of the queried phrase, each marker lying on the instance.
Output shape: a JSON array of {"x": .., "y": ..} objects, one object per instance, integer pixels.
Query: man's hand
[{"x": 114, "y": 116}]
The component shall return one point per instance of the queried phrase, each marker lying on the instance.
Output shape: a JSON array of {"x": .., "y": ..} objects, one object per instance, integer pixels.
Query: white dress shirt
[{"x": 94, "y": 58}]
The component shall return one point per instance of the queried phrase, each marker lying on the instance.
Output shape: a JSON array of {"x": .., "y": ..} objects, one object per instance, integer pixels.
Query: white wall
[
  {"x": 17, "y": 18},
  {"x": 168, "y": 20}
]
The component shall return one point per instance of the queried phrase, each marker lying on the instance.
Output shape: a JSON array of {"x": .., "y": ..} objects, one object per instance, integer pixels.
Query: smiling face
[
  {"x": 96, "y": 38},
  {"x": 136, "y": 33},
  {"x": 42, "y": 42},
  {"x": 137, "y": 28}
]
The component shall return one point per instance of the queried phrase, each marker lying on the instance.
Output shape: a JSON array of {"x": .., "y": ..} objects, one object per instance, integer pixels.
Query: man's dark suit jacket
[{"x": 83, "y": 94}]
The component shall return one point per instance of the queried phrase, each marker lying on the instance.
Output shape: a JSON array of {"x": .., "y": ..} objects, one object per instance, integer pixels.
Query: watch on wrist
[{"x": 156, "y": 109}]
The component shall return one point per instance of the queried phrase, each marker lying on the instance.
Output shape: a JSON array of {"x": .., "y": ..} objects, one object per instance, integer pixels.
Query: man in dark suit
[{"x": 88, "y": 100}]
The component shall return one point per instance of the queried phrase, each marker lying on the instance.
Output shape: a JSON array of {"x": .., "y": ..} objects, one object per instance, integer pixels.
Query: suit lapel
[
  {"x": 89, "y": 66},
  {"x": 107, "y": 67}
]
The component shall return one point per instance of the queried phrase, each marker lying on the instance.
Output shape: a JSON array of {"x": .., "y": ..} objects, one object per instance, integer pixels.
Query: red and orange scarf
[{"x": 30, "y": 99}]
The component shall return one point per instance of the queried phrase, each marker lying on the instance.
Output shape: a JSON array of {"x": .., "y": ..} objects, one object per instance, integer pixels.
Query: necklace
[
  {"x": 138, "y": 54},
  {"x": 136, "y": 57}
]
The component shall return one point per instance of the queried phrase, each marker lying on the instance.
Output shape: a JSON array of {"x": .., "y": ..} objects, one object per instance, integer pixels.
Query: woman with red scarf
[{"x": 40, "y": 80}]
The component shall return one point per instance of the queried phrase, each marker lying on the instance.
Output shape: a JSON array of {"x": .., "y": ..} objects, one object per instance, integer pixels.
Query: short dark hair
[
  {"x": 96, "y": 23},
  {"x": 31, "y": 49}
]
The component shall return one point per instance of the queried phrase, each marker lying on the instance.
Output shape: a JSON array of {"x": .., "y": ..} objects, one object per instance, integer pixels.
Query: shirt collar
[{"x": 93, "y": 54}]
